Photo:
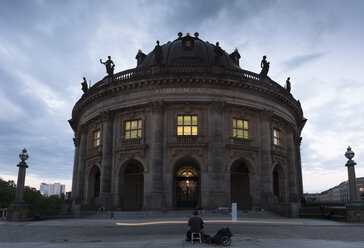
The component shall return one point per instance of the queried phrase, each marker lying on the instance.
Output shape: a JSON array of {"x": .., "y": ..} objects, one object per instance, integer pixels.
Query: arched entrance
[
  {"x": 187, "y": 184},
  {"x": 278, "y": 183},
  {"x": 240, "y": 185},
  {"x": 132, "y": 186},
  {"x": 93, "y": 190}
]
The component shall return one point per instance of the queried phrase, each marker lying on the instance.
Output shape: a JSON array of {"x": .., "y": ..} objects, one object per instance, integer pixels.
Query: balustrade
[
  {"x": 143, "y": 72},
  {"x": 240, "y": 141},
  {"x": 188, "y": 139},
  {"x": 128, "y": 142}
]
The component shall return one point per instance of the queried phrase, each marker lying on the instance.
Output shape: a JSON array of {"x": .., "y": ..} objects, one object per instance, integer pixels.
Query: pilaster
[
  {"x": 153, "y": 183},
  {"x": 266, "y": 119},
  {"x": 292, "y": 170},
  {"x": 107, "y": 153},
  {"x": 76, "y": 141},
  {"x": 217, "y": 186},
  {"x": 81, "y": 164}
]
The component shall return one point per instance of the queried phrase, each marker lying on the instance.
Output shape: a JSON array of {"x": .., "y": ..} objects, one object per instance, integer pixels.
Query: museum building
[{"x": 187, "y": 128}]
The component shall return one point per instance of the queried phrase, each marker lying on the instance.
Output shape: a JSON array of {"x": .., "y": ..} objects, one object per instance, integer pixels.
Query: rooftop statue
[
  {"x": 158, "y": 54},
  {"x": 84, "y": 85},
  {"x": 218, "y": 52},
  {"x": 265, "y": 67},
  {"x": 109, "y": 64},
  {"x": 288, "y": 85},
  {"x": 140, "y": 57}
]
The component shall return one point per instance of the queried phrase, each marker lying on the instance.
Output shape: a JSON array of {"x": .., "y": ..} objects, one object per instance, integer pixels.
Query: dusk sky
[{"x": 46, "y": 47}]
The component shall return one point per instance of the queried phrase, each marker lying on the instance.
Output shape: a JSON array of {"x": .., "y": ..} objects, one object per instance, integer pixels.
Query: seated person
[{"x": 196, "y": 224}]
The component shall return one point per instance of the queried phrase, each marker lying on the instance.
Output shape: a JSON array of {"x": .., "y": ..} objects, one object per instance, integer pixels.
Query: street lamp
[
  {"x": 18, "y": 209},
  {"x": 353, "y": 188},
  {"x": 23, "y": 155}
]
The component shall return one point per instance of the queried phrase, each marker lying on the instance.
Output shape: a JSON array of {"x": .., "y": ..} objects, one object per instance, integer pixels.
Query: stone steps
[{"x": 184, "y": 214}]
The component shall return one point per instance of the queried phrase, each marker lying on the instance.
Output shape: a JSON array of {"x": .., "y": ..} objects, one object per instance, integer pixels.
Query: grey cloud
[{"x": 298, "y": 61}]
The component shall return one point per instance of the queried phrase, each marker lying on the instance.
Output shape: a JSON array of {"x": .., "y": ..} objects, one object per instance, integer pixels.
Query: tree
[
  {"x": 7, "y": 192},
  {"x": 32, "y": 196}
]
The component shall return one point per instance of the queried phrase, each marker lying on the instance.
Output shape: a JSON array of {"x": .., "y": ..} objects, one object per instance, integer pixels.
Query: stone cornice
[{"x": 232, "y": 81}]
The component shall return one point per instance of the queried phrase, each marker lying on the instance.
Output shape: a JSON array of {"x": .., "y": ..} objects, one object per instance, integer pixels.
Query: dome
[{"x": 188, "y": 50}]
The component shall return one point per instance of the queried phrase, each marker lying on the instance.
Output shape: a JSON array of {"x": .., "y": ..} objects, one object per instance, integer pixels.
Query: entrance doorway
[
  {"x": 278, "y": 183},
  {"x": 240, "y": 185},
  {"x": 187, "y": 187},
  {"x": 133, "y": 183},
  {"x": 93, "y": 184}
]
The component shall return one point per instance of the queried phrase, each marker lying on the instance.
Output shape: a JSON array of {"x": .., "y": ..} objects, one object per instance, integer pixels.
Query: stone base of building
[
  {"x": 17, "y": 213},
  {"x": 290, "y": 210},
  {"x": 355, "y": 212}
]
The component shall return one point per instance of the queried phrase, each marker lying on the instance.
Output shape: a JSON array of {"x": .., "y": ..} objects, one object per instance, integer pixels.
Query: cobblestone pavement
[{"x": 164, "y": 232}]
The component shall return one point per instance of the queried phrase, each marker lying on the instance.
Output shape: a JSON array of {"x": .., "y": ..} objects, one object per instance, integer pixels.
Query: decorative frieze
[
  {"x": 266, "y": 115},
  {"x": 158, "y": 107},
  {"x": 217, "y": 107},
  {"x": 107, "y": 115}
]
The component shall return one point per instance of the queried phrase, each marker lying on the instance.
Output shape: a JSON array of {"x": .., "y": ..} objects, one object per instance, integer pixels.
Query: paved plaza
[{"x": 169, "y": 231}]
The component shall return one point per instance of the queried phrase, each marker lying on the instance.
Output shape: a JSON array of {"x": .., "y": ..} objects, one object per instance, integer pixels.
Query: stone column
[
  {"x": 153, "y": 184},
  {"x": 217, "y": 185},
  {"x": 81, "y": 164},
  {"x": 353, "y": 187},
  {"x": 292, "y": 172},
  {"x": 298, "y": 140},
  {"x": 76, "y": 142},
  {"x": 266, "y": 158},
  {"x": 18, "y": 209},
  {"x": 106, "y": 161}
]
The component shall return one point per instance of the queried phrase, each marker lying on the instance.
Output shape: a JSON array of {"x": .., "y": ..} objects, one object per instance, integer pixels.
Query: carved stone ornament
[
  {"x": 107, "y": 115},
  {"x": 82, "y": 129},
  {"x": 131, "y": 113},
  {"x": 291, "y": 128},
  {"x": 76, "y": 140},
  {"x": 217, "y": 107},
  {"x": 158, "y": 107},
  {"x": 266, "y": 115},
  {"x": 73, "y": 124}
]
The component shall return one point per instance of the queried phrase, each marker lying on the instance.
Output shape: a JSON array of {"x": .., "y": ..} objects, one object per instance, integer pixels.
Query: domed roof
[{"x": 188, "y": 50}]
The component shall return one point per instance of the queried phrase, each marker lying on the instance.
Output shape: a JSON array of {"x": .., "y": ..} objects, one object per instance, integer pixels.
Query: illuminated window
[
  {"x": 361, "y": 189},
  {"x": 240, "y": 129},
  {"x": 133, "y": 129},
  {"x": 187, "y": 125},
  {"x": 276, "y": 137},
  {"x": 96, "y": 138}
]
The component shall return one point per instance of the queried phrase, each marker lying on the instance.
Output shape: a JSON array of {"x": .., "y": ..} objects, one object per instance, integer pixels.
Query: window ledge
[
  {"x": 240, "y": 141},
  {"x": 135, "y": 141},
  {"x": 277, "y": 148}
]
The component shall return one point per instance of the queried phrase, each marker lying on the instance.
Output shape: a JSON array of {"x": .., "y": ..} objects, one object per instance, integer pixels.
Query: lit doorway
[{"x": 187, "y": 187}]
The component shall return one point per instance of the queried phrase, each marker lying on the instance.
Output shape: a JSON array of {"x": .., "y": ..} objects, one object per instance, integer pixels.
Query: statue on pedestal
[
  {"x": 84, "y": 85},
  {"x": 218, "y": 52},
  {"x": 109, "y": 64},
  {"x": 288, "y": 85},
  {"x": 265, "y": 67},
  {"x": 158, "y": 53}
]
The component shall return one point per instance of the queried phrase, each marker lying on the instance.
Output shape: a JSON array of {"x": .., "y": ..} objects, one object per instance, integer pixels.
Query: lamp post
[
  {"x": 18, "y": 209},
  {"x": 353, "y": 188}
]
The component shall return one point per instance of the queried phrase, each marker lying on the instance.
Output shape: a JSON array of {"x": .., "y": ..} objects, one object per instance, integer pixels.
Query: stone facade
[{"x": 158, "y": 166}]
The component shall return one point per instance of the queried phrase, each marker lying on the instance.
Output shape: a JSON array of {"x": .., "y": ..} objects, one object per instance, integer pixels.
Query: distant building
[
  {"x": 340, "y": 193},
  {"x": 44, "y": 189},
  {"x": 52, "y": 189}
]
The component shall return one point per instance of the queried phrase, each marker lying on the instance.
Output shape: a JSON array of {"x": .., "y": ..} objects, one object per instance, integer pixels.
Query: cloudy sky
[{"x": 46, "y": 47}]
